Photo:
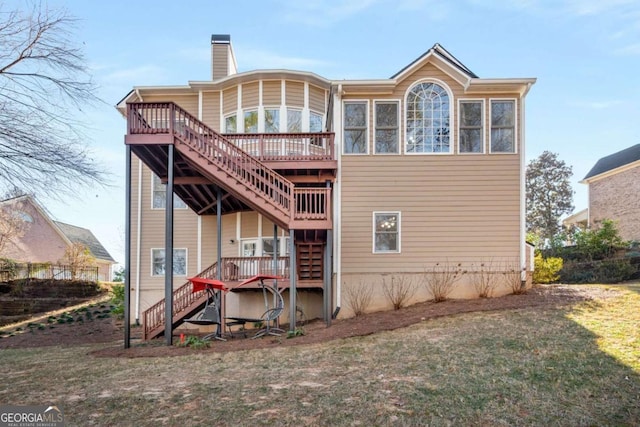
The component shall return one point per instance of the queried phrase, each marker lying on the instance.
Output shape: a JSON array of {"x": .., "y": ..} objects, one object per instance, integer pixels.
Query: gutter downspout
[{"x": 337, "y": 241}]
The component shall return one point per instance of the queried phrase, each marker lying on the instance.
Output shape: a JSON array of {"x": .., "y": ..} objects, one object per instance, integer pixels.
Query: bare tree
[
  {"x": 12, "y": 223},
  {"x": 44, "y": 83},
  {"x": 78, "y": 257}
]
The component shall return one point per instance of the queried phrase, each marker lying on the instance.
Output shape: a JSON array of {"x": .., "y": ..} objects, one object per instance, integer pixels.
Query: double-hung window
[
  {"x": 386, "y": 124},
  {"x": 294, "y": 121},
  {"x": 272, "y": 120},
  {"x": 251, "y": 121},
  {"x": 231, "y": 124},
  {"x": 159, "y": 196},
  {"x": 315, "y": 122},
  {"x": 471, "y": 130},
  {"x": 503, "y": 126},
  {"x": 355, "y": 127},
  {"x": 158, "y": 262},
  {"x": 386, "y": 232}
]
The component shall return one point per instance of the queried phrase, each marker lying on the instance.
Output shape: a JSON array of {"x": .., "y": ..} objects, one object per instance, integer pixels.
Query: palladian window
[{"x": 428, "y": 119}]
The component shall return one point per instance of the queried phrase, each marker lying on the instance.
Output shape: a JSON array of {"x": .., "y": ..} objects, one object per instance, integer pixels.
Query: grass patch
[{"x": 554, "y": 366}]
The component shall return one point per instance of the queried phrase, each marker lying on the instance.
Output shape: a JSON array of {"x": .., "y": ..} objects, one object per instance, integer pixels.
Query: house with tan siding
[{"x": 330, "y": 184}]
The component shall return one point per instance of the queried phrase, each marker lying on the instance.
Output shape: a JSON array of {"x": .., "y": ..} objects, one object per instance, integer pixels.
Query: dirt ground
[{"x": 110, "y": 331}]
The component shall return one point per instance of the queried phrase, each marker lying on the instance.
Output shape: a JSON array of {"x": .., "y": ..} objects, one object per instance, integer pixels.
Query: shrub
[
  {"x": 512, "y": 275},
  {"x": 398, "y": 290},
  {"x": 484, "y": 279},
  {"x": 439, "y": 280},
  {"x": 606, "y": 271},
  {"x": 118, "y": 301},
  {"x": 546, "y": 269},
  {"x": 359, "y": 297}
]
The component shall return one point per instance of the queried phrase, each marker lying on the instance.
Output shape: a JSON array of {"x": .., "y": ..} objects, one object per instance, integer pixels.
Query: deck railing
[
  {"x": 234, "y": 269},
  {"x": 285, "y": 146},
  {"x": 183, "y": 298},
  {"x": 312, "y": 203},
  {"x": 158, "y": 118}
]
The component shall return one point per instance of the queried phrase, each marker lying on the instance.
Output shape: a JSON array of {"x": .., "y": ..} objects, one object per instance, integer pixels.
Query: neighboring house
[
  {"x": 614, "y": 191},
  {"x": 579, "y": 219},
  {"x": 370, "y": 178},
  {"x": 46, "y": 240}
]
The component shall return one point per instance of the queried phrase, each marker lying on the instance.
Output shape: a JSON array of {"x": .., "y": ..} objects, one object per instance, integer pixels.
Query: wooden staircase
[
  {"x": 216, "y": 158},
  {"x": 186, "y": 303}
]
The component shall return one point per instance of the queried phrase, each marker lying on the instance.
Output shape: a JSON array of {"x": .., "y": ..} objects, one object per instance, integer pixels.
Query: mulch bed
[{"x": 110, "y": 331}]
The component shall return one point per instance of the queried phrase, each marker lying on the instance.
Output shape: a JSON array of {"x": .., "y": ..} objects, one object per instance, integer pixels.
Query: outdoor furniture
[
  {"x": 211, "y": 313},
  {"x": 272, "y": 312}
]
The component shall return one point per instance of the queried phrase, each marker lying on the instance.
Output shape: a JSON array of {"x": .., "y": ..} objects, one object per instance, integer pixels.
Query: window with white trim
[
  {"x": 159, "y": 195},
  {"x": 428, "y": 113},
  {"x": 386, "y": 124},
  {"x": 179, "y": 262},
  {"x": 315, "y": 122},
  {"x": 471, "y": 129},
  {"x": 251, "y": 121},
  {"x": 294, "y": 121},
  {"x": 386, "y": 232},
  {"x": 355, "y": 127},
  {"x": 503, "y": 126},
  {"x": 267, "y": 246},
  {"x": 272, "y": 120},
  {"x": 231, "y": 124}
]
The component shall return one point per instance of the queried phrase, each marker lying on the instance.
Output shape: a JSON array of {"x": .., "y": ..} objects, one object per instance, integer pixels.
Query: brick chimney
[{"x": 223, "y": 61}]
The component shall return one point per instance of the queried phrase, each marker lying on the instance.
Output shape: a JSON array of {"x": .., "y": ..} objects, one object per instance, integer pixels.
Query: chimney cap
[{"x": 220, "y": 39}]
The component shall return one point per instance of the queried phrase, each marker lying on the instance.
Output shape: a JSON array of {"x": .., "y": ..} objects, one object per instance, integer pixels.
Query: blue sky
[{"x": 584, "y": 53}]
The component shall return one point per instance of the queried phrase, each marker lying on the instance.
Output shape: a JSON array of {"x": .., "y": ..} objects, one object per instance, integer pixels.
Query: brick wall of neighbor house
[
  {"x": 617, "y": 197},
  {"x": 40, "y": 242}
]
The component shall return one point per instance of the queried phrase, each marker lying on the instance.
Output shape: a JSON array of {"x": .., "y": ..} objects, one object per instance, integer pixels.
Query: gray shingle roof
[
  {"x": 615, "y": 160},
  {"x": 86, "y": 238}
]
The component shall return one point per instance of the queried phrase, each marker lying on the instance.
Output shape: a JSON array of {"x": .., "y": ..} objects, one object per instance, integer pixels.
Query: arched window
[{"x": 428, "y": 119}]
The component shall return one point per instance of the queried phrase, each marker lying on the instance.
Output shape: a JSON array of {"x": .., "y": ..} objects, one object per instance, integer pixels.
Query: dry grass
[{"x": 553, "y": 366}]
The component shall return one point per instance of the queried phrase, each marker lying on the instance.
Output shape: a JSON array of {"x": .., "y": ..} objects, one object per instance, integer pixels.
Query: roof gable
[
  {"x": 615, "y": 161},
  {"x": 437, "y": 53},
  {"x": 84, "y": 237}
]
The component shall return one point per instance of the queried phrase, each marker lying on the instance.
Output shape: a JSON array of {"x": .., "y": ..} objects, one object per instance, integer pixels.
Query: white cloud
[
  {"x": 632, "y": 49},
  {"x": 251, "y": 58},
  {"x": 134, "y": 76},
  {"x": 320, "y": 13},
  {"x": 595, "y": 105}
]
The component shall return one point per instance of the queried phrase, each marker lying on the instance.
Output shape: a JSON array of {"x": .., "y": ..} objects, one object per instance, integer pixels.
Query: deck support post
[
  {"x": 218, "y": 294},
  {"x": 127, "y": 252},
  {"x": 168, "y": 252},
  {"x": 293, "y": 270},
  {"x": 327, "y": 278},
  {"x": 275, "y": 265}
]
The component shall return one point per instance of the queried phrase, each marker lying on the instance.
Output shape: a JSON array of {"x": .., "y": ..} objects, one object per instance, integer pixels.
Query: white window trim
[
  {"x": 251, "y": 110},
  {"x": 224, "y": 121},
  {"x": 264, "y": 118},
  {"x": 368, "y": 126},
  {"x": 451, "y": 117},
  {"x": 174, "y": 194},
  {"x": 515, "y": 125},
  {"x": 322, "y": 120},
  {"x": 373, "y": 232},
  {"x": 484, "y": 125},
  {"x": 186, "y": 262},
  {"x": 398, "y": 102}
]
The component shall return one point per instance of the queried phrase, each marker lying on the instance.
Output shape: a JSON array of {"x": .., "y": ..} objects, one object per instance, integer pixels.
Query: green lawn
[{"x": 554, "y": 366}]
